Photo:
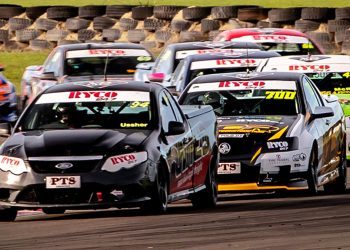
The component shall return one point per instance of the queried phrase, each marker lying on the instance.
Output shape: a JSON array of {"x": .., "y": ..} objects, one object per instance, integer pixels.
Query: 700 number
[{"x": 286, "y": 95}]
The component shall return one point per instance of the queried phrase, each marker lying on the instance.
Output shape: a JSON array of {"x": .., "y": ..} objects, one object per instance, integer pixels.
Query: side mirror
[
  {"x": 47, "y": 76},
  {"x": 145, "y": 66},
  {"x": 156, "y": 77},
  {"x": 321, "y": 112},
  {"x": 175, "y": 128},
  {"x": 330, "y": 98},
  {"x": 5, "y": 129}
]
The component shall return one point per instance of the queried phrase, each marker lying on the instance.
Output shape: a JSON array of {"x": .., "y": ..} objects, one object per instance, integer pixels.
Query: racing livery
[
  {"x": 204, "y": 64},
  {"x": 88, "y": 145},
  {"x": 162, "y": 69},
  {"x": 68, "y": 62},
  {"x": 8, "y": 101},
  {"x": 283, "y": 41},
  {"x": 276, "y": 131},
  {"x": 330, "y": 73}
]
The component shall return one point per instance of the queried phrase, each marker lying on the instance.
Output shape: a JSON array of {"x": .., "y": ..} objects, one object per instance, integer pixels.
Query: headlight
[
  {"x": 12, "y": 164},
  {"x": 126, "y": 161}
]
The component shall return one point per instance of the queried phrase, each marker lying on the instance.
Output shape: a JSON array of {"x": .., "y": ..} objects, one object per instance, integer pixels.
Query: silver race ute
[
  {"x": 330, "y": 73},
  {"x": 90, "y": 145},
  {"x": 276, "y": 131}
]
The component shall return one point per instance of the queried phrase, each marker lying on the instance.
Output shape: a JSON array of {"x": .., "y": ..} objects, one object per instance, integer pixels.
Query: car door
[
  {"x": 177, "y": 147},
  {"x": 320, "y": 128}
]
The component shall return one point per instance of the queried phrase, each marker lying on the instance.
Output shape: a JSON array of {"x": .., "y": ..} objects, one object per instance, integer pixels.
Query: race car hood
[
  {"x": 82, "y": 142},
  {"x": 241, "y": 137}
]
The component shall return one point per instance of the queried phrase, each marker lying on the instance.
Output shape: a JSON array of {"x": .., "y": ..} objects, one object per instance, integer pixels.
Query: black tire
[
  {"x": 208, "y": 197},
  {"x": 166, "y": 12},
  {"x": 61, "y": 13},
  {"x": 154, "y": 24},
  {"x": 284, "y": 15},
  {"x": 117, "y": 11},
  {"x": 127, "y": 24},
  {"x": 329, "y": 48},
  {"x": 159, "y": 195},
  {"x": 7, "y": 214},
  {"x": 136, "y": 36},
  {"x": 4, "y": 35},
  {"x": 45, "y": 24},
  {"x": 195, "y": 13},
  {"x": 317, "y": 14},
  {"x": 75, "y": 24},
  {"x": 345, "y": 49},
  {"x": 212, "y": 34},
  {"x": 338, "y": 25},
  {"x": 342, "y": 13},
  {"x": 209, "y": 25},
  {"x": 180, "y": 25},
  {"x": 141, "y": 12},
  {"x": 37, "y": 44},
  {"x": 320, "y": 37},
  {"x": 100, "y": 23},
  {"x": 56, "y": 210},
  {"x": 192, "y": 36},
  {"x": 149, "y": 44},
  {"x": 91, "y": 11},
  {"x": 223, "y": 12},
  {"x": 8, "y": 11},
  {"x": 339, "y": 184},
  {"x": 162, "y": 36},
  {"x": 36, "y": 11},
  {"x": 14, "y": 45},
  {"x": 2, "y": 23},
  {"x": 110, "y": 35},
  {"x": 312, "y": 174},
  {"x": 306, "y": 25},
  {"x": 341, "y": 36},
  {"x": 18, "y": 23},
  {"x": 55, "y": 35},
  {"x": 26, "y": 35},
  {"x": 252, "y": 14},
  {"x": 263, "y": 24},
  {"x": 85, "y": 34}
]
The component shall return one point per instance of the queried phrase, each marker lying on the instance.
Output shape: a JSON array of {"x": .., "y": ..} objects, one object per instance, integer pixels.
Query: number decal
[
  {"x": 138, "y": 104},
  {"x": 346, "y": 74},
  {"x": 281, "y": 95}
]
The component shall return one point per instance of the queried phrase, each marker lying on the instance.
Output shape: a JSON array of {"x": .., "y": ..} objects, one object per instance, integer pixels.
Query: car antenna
[
  {"x": 105, "y": 69},
  {"x": 247, "y": 61}
]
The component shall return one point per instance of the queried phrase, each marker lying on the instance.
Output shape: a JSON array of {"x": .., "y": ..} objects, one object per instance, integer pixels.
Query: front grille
[
  {"x": 48, "y": 167},
  {"x": 243, "y": 148}
]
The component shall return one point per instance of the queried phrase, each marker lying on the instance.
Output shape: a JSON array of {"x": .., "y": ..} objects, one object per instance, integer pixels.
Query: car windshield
[
  {"x": 199, "y": 72},
  {"x": 93, "y": 62},
  {"x": 285, "y": 49},
  {"x": 331, "y": 83},
  {"x": 89, "y": 109},
  {"x": 262, "y": 100}
]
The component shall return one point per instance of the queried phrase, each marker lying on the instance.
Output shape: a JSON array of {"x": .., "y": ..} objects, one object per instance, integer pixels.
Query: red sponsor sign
[
  {"x": 269, "y": 37},
  {"x": 106, "y": 52},
  {"x": 309, "y": 67},
  {"x": 123, "y": 159},
  {"x": 235, "y": 61},
  {"x": 227, "y": 84},
  {"x": 9, "y": 161},
  {"x": 91, "y": 94}
]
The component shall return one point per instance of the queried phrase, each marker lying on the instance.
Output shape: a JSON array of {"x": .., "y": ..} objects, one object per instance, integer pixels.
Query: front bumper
[
  {"x": 271, "y": 171},
  {"x": 98, "y": 189}
]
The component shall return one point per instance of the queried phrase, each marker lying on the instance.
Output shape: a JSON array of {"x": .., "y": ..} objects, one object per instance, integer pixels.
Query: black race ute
[{"x": 90, "y": 145}]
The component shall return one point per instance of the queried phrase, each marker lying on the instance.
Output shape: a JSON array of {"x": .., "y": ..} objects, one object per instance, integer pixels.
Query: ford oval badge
[{"x": 64, "y": 165}]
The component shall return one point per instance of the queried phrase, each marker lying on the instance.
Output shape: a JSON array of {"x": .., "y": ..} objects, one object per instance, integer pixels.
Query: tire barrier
[{"x": 44, "y": 27}]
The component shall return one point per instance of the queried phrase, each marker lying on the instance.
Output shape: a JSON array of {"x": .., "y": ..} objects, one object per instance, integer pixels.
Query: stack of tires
[{"x": 44, "y": 27}]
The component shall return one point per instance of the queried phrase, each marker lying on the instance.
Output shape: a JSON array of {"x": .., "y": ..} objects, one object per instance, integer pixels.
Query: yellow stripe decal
[
  {"x": 278, "y": 134},
  {"x": 255, "y": 155},
  {"x": 253, "y": 186}
]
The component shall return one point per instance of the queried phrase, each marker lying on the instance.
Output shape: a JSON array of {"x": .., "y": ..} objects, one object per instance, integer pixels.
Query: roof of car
[
  {"x": 212, "y": 45},
  {"x": 101, "y": 45},
  {"x": 254, "y": 31},
  {"x": 250, "y": 54},
  {"x": 101, "y": 85},
  {"x": 243, "y": 76}
]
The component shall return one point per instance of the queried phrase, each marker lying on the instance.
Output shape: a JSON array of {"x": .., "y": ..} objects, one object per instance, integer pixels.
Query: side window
[
  {"x": 174, "y": 107},
  {"x": 316, "y": 91},
  {"x": 166, "y": 112},
  {"x": 310, "y": 95},
  {"x": 53, "y": 64},
  {"x": 177, "y": 75}
]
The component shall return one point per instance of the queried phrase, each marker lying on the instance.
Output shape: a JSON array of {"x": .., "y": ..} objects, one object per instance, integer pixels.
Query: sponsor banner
[
  {"x": 243, "y": 85},
  {"x": 283, "y": 144},
  {"x": 181, "y": 54},
  {"x": 229, "y": 168},
  {"x": 94, "y": 96},
  {"x": 13, "y": 165},
  {"x": 53, "y": 182},
  {"x": 248, "y": 128},
  {"x": 126, "y": 161},
  {"x": 105, "y": 53},
  {"x": 225, "y": 63},
  {"x": 305, "y": 67},
  {"x": 272, "y": 39},
  {"x": 231, "y": 135}
]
